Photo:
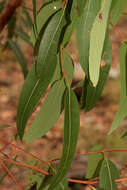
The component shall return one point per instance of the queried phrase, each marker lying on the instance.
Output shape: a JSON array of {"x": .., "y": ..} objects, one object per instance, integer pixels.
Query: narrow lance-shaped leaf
[
  {"x": 97, "y": 38},
  {"x": 122, "y": 110},
  {"x": 49, "y": 113},
  {"x": 28, "y": 18},
  {"x": 19, "y": 55},
  {"x": 44, "y": 14},
  {"x": 90, "y": 94},
  {"x": 116, "y": 10},
  {"x": 52, "y": 106},
  {"x": 68, "y": 67},
  {"x": 83, "y": 27},
  {"x": 108, "y": 175},
  {"x": 34, "y": 87},
  {"x": 50, "y": 43},
  {"x": 23, "y": 35},
  {"x": 71, "y": 26},
  {"x": 71, "y": 129}
]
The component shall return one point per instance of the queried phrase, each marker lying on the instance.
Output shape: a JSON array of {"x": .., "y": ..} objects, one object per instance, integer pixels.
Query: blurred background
[{"x": 94, "y": 125}]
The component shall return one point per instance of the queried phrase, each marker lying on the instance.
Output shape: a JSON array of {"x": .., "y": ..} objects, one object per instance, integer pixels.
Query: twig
[
  {"x": 122, "y": 36},
  {"x": 5, "y": 146},
  {"x": 97, "y": 152},
  {"x": 25, "y": 165},
  {"x": 45, "y": 162},
  {"x": 11, "y": 175},
  {"x": 93, "y": 182}
]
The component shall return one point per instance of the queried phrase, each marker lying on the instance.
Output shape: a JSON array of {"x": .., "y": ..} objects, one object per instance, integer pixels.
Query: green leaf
[
  {"x": 91, "y": 94},
  {"x": 122, "y": 110},
  {"x": 81, "y": 5},
  {"x": 71, "y": 129},
  {"x": 108, "y": 175},
  {"x": 68, "y": 67},
  {"x": 116, "y": 10},
  {"x": 71, "y": 26},
  {"x": 120, "y": 115},
  {"x": 84, "y": 25},
  {"x": 94, "y": 163},
  {"x": 19, "y": 55},
  {"x": 97, "y": 38},
  {"x": 51, "y": 108},
  {"x": 23, "y": 35},
  {"x": 68, "y": 32},
  {"x": 49, "y": 113},
  {"x": 34, "y": 87},
  {"x": 107, "y": 49},
  {"x": 28, "y": 19},
  {"x": 50, "y": 43},
  {"x": 44, "y": 14}
]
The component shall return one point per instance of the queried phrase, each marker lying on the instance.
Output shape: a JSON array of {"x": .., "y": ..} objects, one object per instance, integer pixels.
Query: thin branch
[
  {"x": 83, "y": 182},
  {"x": 122, "y": 36},
  {"x": 9, "y": 160},
  {"x": 8, "y": 12},
  {"x": 11, "y": 175},
  {"x": 5, "y": 146},
  {"x": 90, "y": 182},
  {"x": 45, "y": 162},
  {"x": 97, "y": 152}
]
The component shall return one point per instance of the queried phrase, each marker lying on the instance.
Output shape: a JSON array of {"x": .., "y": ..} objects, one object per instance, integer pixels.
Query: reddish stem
[{"x": 11, "y": 175}]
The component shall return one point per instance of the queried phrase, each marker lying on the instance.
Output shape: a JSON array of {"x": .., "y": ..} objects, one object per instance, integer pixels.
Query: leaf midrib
[{"x": 110, "y": 177}]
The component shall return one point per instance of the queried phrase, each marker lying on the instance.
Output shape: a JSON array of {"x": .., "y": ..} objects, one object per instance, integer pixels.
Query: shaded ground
[{"x": 94, "y": 125}]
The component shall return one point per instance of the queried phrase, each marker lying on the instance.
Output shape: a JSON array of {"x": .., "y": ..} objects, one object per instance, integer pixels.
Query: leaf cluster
[{"x": 52, "y": 29}]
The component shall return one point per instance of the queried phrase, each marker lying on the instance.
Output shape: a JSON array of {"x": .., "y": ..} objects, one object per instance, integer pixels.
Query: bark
[{"x": 8, "y": 12}]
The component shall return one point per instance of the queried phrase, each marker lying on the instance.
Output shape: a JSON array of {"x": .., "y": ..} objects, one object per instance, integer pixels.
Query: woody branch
[{"x": 8, "y": 12}]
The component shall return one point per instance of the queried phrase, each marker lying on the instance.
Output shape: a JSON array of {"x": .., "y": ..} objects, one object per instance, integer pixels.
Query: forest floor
[{"x": 94, "y": 125}]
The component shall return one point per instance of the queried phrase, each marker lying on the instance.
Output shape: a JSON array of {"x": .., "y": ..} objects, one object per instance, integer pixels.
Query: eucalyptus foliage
[{"x": 52, "y": 28}]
